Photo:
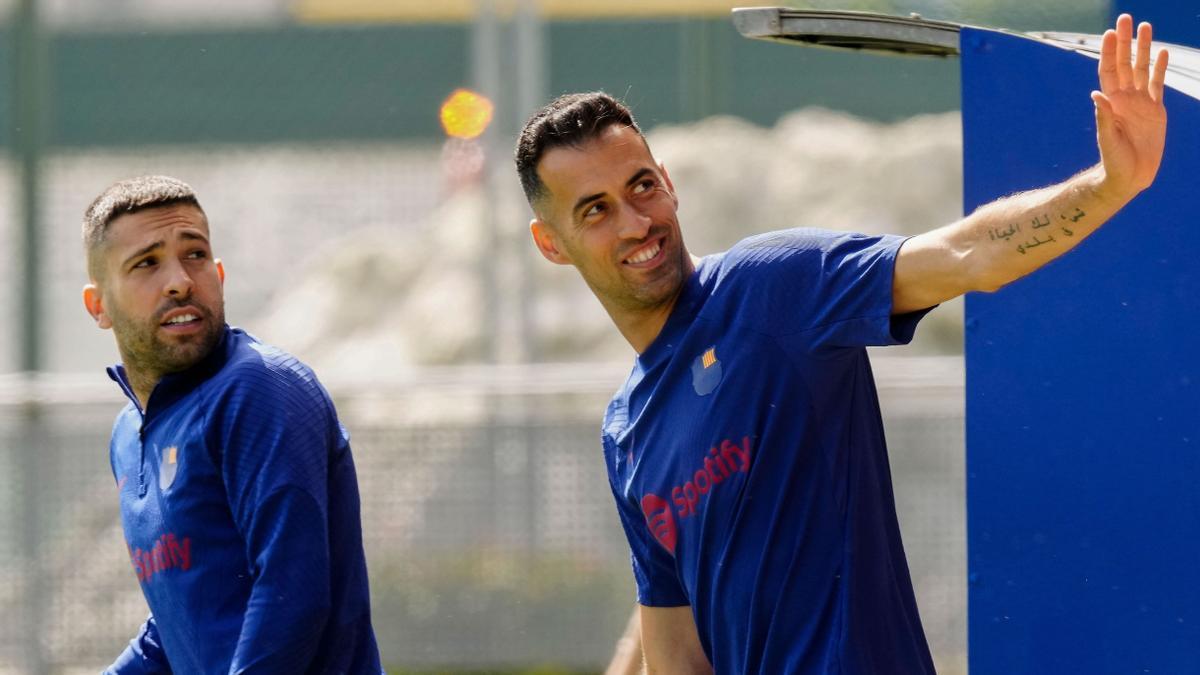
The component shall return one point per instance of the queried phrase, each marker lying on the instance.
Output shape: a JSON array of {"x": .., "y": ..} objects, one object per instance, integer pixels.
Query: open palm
[{"x": 1131, "y": 121}]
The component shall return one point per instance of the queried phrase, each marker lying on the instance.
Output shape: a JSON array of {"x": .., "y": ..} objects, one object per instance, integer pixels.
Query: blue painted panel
[
  {"x": 1083, "y": 405},
  {"x": 1175, "y": 21}
]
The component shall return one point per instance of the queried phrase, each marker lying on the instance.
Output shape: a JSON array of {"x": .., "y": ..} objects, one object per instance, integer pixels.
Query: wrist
[{"x": 1110, "y": 191}]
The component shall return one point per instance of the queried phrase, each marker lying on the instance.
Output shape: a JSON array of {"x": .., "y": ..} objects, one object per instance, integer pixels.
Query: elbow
[
  {"x": 307, "y": 614},
  {"x": 308, "y": 625},
  {"x": 315, "y": 614},
  {"x": 988, "y": 285},
  {"x": 982, "y": 274}
]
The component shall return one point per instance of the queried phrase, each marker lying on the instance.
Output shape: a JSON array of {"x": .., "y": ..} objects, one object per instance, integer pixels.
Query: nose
[
  {"x": 634, "y": 223},
  {"x": 178, "y": 283}
]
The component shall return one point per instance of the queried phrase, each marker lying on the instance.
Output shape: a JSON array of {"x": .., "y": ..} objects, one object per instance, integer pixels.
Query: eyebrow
[
  {"x": 191, "y": 236},
  {"x": 584, "y": 201},
  {"x": 638, "y": 176},
  {"x": 143, "y": 251}
]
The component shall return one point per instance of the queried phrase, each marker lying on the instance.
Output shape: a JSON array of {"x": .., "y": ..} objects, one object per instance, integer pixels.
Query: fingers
[
  {"x": 1104, "y": 112},
  {"x": 1116, "y": 70},
  {"x": 1109, "y": 82},
  {"x": 1141, "y": 66},
  {"x": 1160, "y": 75},
  {"x": 1124, "y": 50}
]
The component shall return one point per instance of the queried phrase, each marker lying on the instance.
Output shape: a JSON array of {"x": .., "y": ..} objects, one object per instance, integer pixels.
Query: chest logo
[
  {"x": 168, "y": 467},
  {"x": 706, "y": 372},
  {"x": 168, "y": 553},
  {"x": 721, "y": 464},
  {"x": 660, "y": 520}
]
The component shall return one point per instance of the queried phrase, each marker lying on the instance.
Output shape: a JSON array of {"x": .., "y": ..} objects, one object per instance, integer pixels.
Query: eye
[
  {"x": 594, "y": 210},
  {"x": 643, "y": 186},
  {"x": 145, "y": 263},
  {"x": 198, "y": 254}
]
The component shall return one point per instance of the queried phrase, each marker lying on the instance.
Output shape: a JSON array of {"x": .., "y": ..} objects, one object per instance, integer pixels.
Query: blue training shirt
[
  {"x": 240, "y": 507},
  {"x": 746, "y": 454}
]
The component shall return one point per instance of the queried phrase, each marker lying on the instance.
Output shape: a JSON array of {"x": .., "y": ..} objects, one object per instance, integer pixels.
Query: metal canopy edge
[
  {"x": 914, "y": 35},
  {"x": 1183, "y": 73},
  {"x": 849, "y": 30}
]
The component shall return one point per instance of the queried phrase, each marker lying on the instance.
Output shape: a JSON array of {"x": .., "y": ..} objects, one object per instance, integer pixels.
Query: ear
[
  {"x": 546, "y": 240},
  {"x": 220, "y": 271},
  {"x": 93, "y": 302}
]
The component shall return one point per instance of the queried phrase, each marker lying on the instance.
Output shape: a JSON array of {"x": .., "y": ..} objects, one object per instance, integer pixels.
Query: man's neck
[
  {"x": 142, "y": 383},
  {"x": 641, "y": 328}
]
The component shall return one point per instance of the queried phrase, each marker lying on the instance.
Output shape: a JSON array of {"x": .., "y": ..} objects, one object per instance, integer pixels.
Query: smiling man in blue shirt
[
  {"x": 237, "y": 489},
  {"x": 746, "y": 450}
]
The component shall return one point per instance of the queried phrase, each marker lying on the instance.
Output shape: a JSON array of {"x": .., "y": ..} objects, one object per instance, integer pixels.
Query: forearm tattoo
[{"x": 1034, "y": 233}]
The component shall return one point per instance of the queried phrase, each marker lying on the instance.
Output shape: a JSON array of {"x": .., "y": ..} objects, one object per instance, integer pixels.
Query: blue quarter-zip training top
[{"x": 240, "y": 507}]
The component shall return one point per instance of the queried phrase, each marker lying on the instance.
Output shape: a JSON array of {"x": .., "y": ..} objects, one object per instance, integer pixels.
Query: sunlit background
[{"x": 354, "y": 157}]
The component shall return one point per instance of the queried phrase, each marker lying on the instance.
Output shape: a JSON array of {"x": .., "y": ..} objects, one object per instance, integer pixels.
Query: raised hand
[{"x": 1131, "y": 122}]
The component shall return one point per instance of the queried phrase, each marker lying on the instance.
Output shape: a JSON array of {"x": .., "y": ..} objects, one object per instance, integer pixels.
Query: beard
[
  {"x": 663, "y": 288},
  {"x": 144, "y": 349}
]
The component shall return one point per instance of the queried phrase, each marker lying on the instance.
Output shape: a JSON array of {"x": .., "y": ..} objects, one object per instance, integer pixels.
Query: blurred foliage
[{"x": 1085, "y": 16}]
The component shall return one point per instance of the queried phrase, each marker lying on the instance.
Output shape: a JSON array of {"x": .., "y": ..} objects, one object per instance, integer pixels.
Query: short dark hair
[
  {"x": 571, "y": 119},
  {"x": 129, "y": 196}
]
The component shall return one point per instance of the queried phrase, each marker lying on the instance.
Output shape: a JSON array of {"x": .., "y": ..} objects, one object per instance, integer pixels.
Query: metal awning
[
  {"x": 914, "y": 35},
  {"x": 1182, "y": 75},
  {"x": 849, "y": 30}
]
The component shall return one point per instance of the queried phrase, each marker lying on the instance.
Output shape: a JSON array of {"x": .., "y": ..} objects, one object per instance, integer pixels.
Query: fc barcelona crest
[
  {"x": 706, "y": 372},
  {"x": 168, "y": 467}
]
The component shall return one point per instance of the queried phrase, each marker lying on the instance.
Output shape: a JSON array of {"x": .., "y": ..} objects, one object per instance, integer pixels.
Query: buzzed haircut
[
  {"x": 124, "y": 197},
  {"x": 569, "y": 120}
]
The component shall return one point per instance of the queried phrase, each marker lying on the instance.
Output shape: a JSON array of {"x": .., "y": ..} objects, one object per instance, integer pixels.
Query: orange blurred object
[{"x": 466, "y": 114}]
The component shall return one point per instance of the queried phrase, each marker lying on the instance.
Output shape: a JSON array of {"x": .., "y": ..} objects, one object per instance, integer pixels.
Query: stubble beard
[
  {"x": 143, "y": 350},
  {"x": 663, "y": 289}
]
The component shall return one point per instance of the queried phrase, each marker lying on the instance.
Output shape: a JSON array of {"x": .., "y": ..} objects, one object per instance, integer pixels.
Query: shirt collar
[
  {"x": 685, "y": 309},
  {"x": 175, "y": 386}
]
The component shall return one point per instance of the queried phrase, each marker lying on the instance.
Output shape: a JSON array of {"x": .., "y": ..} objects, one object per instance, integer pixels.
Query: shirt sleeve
[
  {"x": 653, "y": 564},
  {"x": 823, "y": 289},
  {"x": 276, "y": 431},
  {"x": 143, "y": 656}
]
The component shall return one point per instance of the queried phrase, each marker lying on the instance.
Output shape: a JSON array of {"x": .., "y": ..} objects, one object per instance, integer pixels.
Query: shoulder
[
  {"x": 125, "y": 426},
  {"x": 800, "y": 240},
  {"x": 616, "y": 415},
  {"x": 257, "y": 373},
  {"x": 129, "y": 416},
  {"x": 758, "y": 259},
  {"x": 803, "y": 250}
]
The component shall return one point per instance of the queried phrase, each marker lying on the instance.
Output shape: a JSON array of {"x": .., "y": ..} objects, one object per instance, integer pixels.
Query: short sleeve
[
  {"x": 653, "y": 565},
  {"x": 821, "y": 289}
]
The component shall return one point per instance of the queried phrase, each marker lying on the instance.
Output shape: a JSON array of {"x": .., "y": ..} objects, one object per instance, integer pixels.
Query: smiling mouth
[
  {"x": 645, "y": 254},
  {"x": 182, "y": 319}
]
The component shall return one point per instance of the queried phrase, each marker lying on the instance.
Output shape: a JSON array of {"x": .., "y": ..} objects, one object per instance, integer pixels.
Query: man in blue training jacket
[
  {"x": 238, "y": 495},
  {"x": 746, "y": 449}
]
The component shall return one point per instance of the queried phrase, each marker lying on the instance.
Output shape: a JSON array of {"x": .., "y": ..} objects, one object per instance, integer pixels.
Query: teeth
[
  {"x": 646, "y": 254},
  {"x": 183, "y": 318}
]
